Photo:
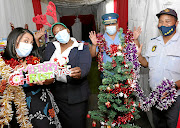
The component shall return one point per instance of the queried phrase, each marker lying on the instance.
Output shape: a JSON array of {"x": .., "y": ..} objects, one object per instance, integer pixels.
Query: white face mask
[
  {"x": 63, "y": 36},
  {"x": 24, "y": 49},
  {"x": 111, "y": 30}
]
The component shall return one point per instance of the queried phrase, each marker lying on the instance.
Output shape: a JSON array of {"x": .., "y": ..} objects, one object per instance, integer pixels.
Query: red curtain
[
  {"x": 37, "y": 10},
  {"x": 85, "y": 19},
  {"x": 68, "y": 20},
  {"x": 88, "y": 19},
  {"x": 88, "y": 24},
  {"x": 121, "y": 8}
]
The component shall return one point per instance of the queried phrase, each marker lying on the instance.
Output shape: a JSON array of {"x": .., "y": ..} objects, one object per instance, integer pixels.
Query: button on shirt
[
  {"x": 163, "y": 60},
  {"x": 109, "y": 42}
]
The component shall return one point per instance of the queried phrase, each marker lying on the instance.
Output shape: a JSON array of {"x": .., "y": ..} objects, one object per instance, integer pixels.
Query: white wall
[
  {"x": 103, "y": 8},
  {"x": 143, "y": 13},
  {"x": 82, "y": 10},
  {"x": 19, "y": 12}
]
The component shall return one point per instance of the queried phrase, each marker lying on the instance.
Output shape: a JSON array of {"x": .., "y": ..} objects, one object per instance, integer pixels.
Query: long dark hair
[{"x": 12, "y": 42}]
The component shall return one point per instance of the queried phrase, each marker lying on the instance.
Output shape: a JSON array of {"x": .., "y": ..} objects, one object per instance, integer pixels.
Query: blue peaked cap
[{"x": 110, "y": 18}]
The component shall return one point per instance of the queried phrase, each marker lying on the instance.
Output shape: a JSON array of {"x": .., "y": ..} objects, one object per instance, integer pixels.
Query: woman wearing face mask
[
  {"x": 70, "y": 92},
  {"x": 21, "y": 49}
]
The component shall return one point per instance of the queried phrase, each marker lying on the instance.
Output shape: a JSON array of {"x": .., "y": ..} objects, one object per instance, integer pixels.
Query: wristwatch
[{"x": 176, "y": 86}]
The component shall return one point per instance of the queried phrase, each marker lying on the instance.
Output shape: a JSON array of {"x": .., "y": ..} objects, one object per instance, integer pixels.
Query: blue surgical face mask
[
  {"x": 24, "y": 49},
  {"x": 167, "y": 31},
  {"x": 111, "y": 30},
  {"x": 63, "y": 36}
]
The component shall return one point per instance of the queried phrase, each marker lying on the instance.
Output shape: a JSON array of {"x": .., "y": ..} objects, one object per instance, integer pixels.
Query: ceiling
[{"x": 75, "y": 3}]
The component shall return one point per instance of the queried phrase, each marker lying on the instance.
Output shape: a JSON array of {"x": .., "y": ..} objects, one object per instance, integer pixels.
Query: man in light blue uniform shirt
[
  {"x": 162, "y": 56},
  {"x": 111, "y": 35}
]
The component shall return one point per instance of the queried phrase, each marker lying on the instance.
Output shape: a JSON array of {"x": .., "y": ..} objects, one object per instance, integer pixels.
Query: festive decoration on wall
[
  {"x": 12, "y": 26},
  {"x": 156, "y": 96},
  {"x": 117, "y": 106},
  {"x": 3, "y": 42}
]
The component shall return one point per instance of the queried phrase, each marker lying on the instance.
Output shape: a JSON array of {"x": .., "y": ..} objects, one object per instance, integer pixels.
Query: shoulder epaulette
[{"x": 154, "y": 38}]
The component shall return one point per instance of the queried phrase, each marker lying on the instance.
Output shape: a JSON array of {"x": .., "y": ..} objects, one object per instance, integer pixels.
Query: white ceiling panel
[{"x": 75, "y": 3}]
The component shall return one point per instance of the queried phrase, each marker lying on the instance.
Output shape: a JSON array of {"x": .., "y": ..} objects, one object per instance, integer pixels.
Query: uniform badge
[
  {"x": 154, "y": 48},
  {"x": 167, "y": 10}
]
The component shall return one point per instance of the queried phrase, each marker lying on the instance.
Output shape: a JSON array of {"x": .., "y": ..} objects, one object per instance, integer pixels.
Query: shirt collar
[
  {"x": 159, "y": 38},
  {"x": 76, "y": 44},
  {"x": 175, "y": 37},
  {"x": 106, "y": 35}
]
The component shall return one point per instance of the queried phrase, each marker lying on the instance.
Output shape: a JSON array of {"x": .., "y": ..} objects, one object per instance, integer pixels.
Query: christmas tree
[{"x": 116, "y": 100}]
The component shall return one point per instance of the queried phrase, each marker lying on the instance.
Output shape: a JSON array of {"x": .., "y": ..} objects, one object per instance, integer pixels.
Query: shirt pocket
[
  {"x": 153, "y": 60},
  {"x": 173, "y": 63}
]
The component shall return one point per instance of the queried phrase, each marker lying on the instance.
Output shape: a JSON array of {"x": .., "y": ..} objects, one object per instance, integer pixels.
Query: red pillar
[
  {"x": 37, "y": 11},
  {"x": 121, "y": 8}
]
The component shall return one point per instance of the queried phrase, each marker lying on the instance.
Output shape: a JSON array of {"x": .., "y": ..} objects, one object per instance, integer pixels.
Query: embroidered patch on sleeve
[{"x": 154, "y": 48}]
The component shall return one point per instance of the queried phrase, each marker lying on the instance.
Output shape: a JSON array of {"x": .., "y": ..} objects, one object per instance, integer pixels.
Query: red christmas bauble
[
  {"x": 88, "y": 116},
  {"x": 94, "y": 124}
]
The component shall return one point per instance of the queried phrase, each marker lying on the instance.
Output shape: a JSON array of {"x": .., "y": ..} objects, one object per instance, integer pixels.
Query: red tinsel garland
[
  {"x": 3, "y": 84},
  {"x": 126, "y": 91},
  {"x": 125, "y": 118},
  {"x": 102, "y": 45},
  {"x": 30, "y": 60},
  {"x": 13, "y": 63}
]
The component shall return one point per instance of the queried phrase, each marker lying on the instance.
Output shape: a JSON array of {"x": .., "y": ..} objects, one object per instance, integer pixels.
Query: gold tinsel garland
[{"x": 12, "y": 94}]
